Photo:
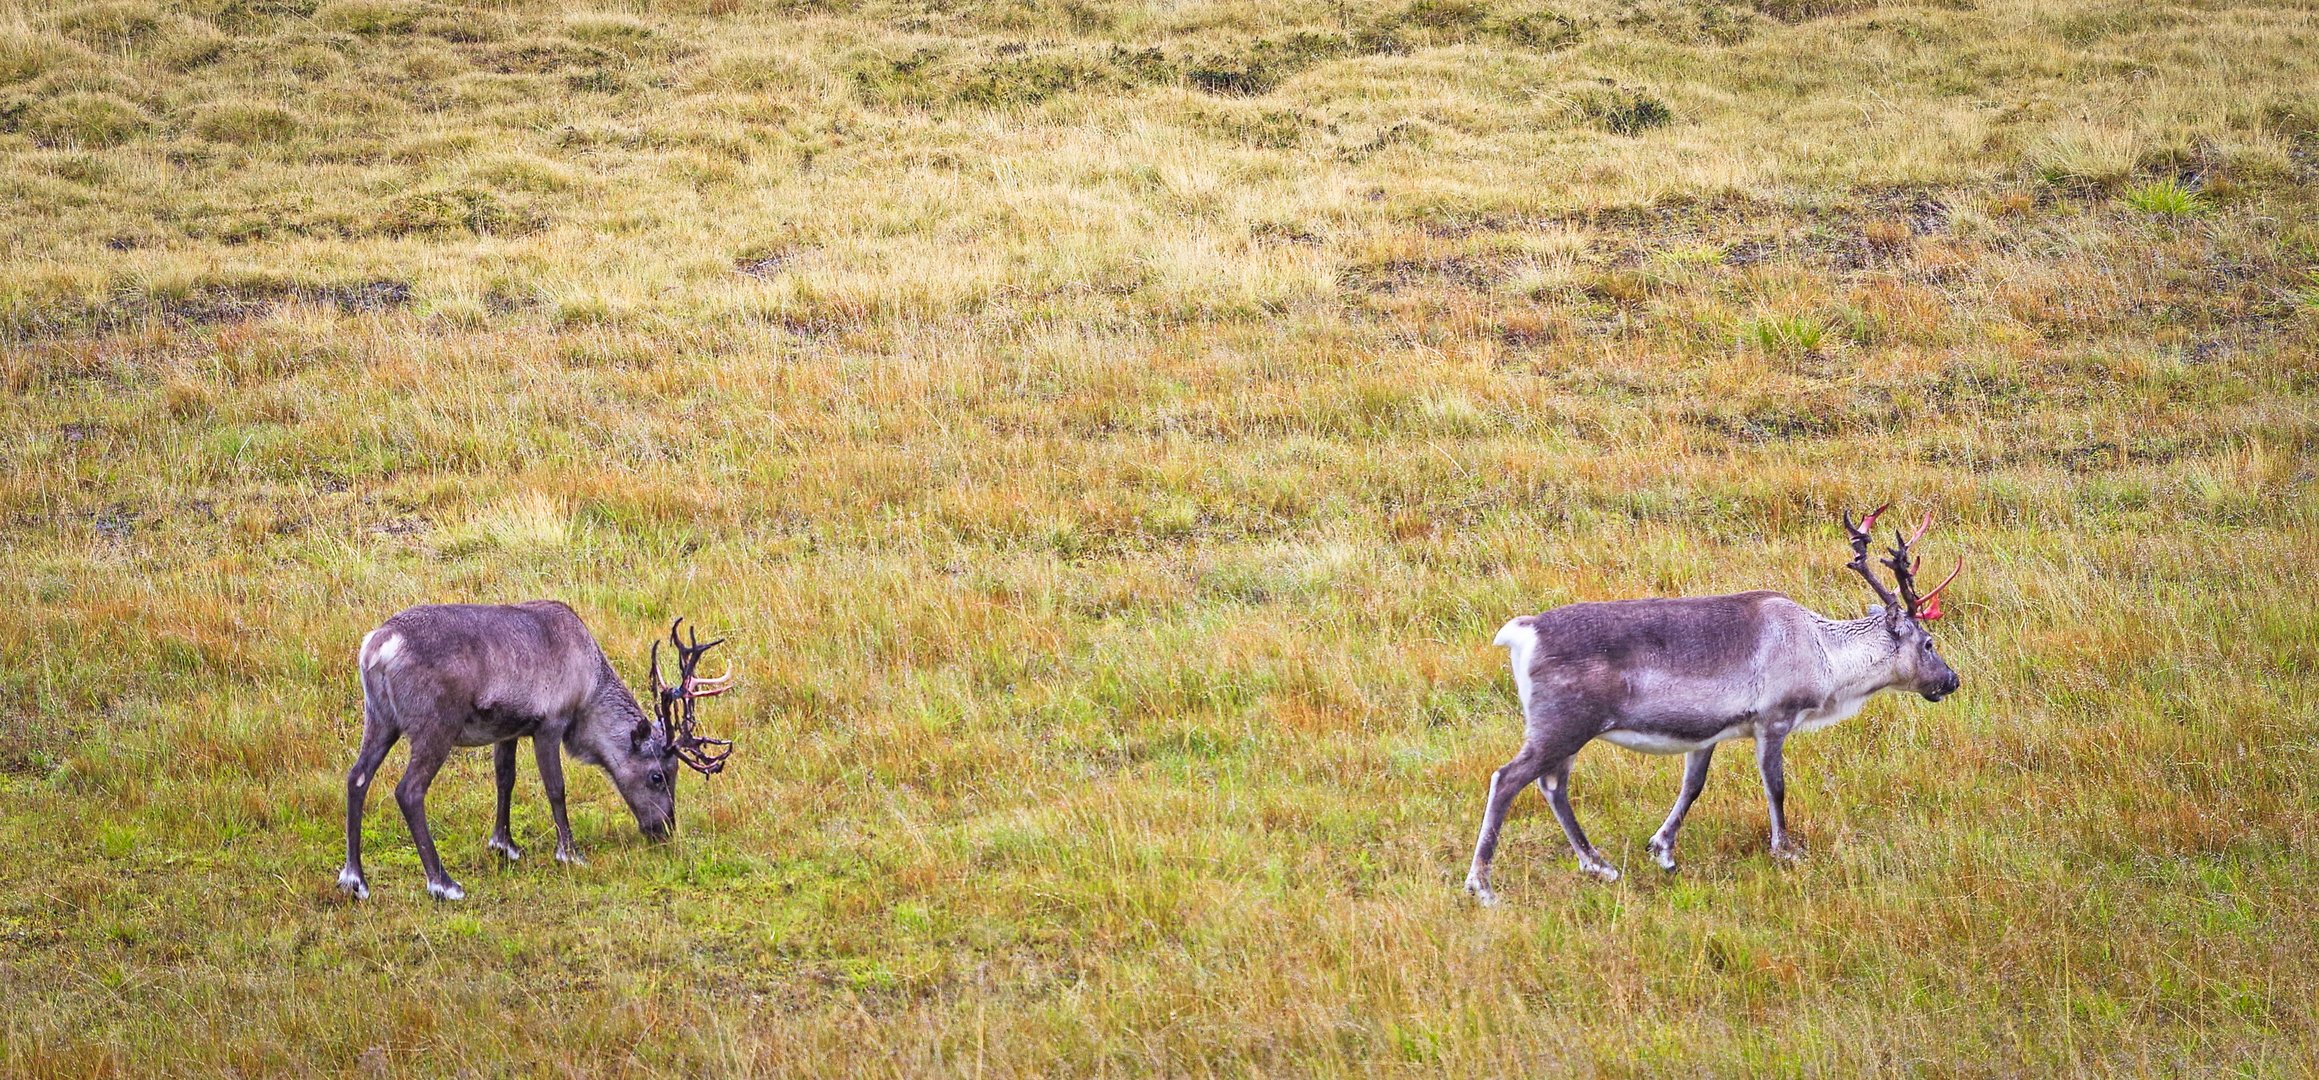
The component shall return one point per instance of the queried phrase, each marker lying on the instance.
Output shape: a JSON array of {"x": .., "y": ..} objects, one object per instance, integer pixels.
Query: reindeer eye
[{"x": 654, "y": 777}]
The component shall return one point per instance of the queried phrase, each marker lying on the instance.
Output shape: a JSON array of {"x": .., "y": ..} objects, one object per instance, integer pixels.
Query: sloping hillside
[{"x": 1110, "y": 435}]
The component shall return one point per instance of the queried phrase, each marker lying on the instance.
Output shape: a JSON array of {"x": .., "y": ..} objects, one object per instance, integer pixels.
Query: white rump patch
[
  {"x": 1520, "y": 640},
  {"x": 385, "y": 649}
]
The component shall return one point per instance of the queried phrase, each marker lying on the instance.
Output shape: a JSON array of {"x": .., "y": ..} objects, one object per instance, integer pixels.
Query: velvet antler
[
  {"x": 1904, "y": 566},
  {"x": 1859, "y": 564},
  {"x": 674, "y": 704}
]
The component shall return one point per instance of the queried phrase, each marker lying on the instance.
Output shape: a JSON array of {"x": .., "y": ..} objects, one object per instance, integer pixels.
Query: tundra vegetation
[{"x": 1111, "y": 434}]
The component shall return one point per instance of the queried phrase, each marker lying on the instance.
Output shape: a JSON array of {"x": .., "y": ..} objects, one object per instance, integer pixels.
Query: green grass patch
[
  {"x": 2167, "y": 198},
  {"x": 1786, "y": 333}
]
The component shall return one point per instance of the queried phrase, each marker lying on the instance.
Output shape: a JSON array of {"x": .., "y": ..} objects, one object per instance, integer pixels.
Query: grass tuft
[
  {"x": 1622, "y": 111},
  {"x": 435, "y": 211},
  {"x": 1796, "y": 11},
  {"x": 1786, "y": 333},
  {"x": 531, "y": 522},
  {"x": 25, "y": 55},
  {"x": 2167, "y": 198},
  {"x": 369, "y": 17},
  {"x": 246, "y": 123},
  {"x": 113, "y": 25},
  {"x": 85, "y": 119}
]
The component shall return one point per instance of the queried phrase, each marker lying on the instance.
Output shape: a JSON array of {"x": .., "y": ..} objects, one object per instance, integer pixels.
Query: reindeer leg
[
  {"x": 1694, "y": 780},
  {"x": 547, "y": 747},
  {"x": 427, "y": 758},
  {"x": 503, "y": 771},
  {"x": 1775, "y": 792},
  {"x": 378, "y": 737},
  {"x": 1556, "y": 785},
  {"x": 1505, "y": 783}
]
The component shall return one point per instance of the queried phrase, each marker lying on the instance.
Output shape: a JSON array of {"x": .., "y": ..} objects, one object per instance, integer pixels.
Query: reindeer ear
[{"x": 640, "y": 735}]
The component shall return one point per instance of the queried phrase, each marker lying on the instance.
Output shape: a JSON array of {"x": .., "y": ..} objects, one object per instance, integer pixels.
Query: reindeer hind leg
[
  {"x": 379, "y": 734},
  {"x": 427, "y": 757},
  {"x": 1694, "y": 780},
  {"x": 1507, "y": 782},
  {"x": 1556, "y": 785}
]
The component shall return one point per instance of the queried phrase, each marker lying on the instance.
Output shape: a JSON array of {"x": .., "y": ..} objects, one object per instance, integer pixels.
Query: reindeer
[
  {"x": 448, "y": 675},
  {"x": 1678, "y": 676}
]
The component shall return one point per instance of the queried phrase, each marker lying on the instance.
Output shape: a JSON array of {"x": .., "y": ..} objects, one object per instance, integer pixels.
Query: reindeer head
[
  {"x": 658, "y": 745},
  {"x": 1920, "y": 668}
]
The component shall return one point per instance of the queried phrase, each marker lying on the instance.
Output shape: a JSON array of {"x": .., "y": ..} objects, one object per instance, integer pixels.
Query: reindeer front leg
[
  {"x": 547, "y": 746},
  {"x": 1775, "y": 791},
  {"x": 503, "y": 773}
]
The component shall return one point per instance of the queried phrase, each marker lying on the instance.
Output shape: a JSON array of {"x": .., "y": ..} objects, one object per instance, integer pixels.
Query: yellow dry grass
[{"x": 1110, "y": 434}]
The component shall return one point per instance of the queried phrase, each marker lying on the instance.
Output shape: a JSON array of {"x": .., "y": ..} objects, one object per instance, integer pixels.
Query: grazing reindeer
[
  {"x": 1679, "y": 676},
  {"x": 449, "y": 675}
]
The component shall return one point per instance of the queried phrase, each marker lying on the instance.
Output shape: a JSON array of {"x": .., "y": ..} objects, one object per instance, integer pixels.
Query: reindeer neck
[
  {"x": 605, "y": 724},
  {"x": 1860, "y": 654}
]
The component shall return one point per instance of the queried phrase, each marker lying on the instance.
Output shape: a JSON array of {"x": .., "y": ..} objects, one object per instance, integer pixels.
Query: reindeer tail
[{"x": 378, "y": 696}]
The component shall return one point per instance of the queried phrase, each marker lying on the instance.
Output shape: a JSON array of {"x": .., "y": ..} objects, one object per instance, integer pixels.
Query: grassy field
[{"x": 1111, "y": 434}]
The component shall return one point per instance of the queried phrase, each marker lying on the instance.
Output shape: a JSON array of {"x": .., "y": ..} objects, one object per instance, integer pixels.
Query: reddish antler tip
[
  {"x": 1920, "y": 528},
  {"x": 1929, "y": 608}
]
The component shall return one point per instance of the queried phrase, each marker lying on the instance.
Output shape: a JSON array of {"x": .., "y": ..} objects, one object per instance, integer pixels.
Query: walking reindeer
[
  {"x": 449, "y": 675},
  {"x": 1678, "y": 676}
]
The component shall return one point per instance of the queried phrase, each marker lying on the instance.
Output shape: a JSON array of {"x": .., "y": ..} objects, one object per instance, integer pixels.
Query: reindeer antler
[
  {"x": 674, "y": 704},
  {"x": 659, "y": 689},
  {"x": 1904, "y": 566},
  {"x": 1930, "y": 607},
  {"x": 1859, "y": 563}
]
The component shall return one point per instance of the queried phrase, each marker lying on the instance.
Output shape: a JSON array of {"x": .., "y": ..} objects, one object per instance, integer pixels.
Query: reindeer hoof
[
  {"x": 507, "y": 848},
  {"x": 352, "y": 884},
  {"x": 570, "y": 857},
  {"x": 1481, "y": 893},
  {"x": 1600, "y": 871},
  {"x": 1664, "y": 855},
  {"x": 1787, "y": 853},
  {"x": 446, "y": 891}
]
